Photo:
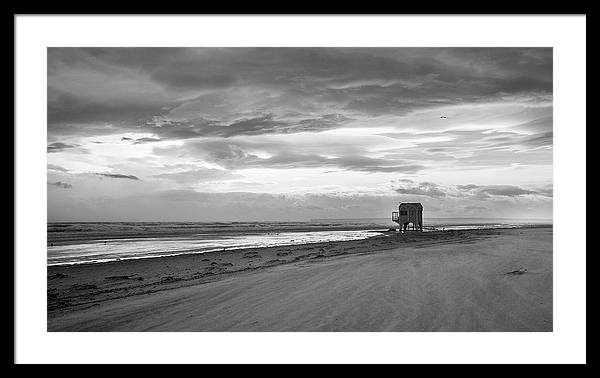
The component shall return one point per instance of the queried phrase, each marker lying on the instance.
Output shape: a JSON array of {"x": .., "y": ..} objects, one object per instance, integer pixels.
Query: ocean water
[{"x": 96, "y": 242}]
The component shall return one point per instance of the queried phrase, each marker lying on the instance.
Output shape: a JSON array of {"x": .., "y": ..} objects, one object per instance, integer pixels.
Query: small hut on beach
[{"x": 409, "y": 213}]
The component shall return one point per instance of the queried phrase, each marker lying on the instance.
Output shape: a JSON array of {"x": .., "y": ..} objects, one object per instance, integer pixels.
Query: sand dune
[{"x": 443, "y": 281}]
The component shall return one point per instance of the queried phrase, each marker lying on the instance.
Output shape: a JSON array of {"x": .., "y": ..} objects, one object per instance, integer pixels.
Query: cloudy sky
[{"x": 226, "y": 134}]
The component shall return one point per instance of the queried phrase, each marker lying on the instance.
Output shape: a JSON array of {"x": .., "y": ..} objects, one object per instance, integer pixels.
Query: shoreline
[
  {"x": 78, "y": 288},
  {"x": 377, "y": 232},
  {"x": 58, "y": 237}
]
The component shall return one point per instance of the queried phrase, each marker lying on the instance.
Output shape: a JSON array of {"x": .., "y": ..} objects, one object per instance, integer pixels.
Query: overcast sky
[{"x": 226, "y": 134}]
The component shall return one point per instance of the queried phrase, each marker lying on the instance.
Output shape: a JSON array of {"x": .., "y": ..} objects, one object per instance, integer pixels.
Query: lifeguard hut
[{"x": 409, "y": 213}]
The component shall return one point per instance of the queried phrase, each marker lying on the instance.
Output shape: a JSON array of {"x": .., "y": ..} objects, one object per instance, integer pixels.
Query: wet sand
[{"x": 468, "y": 280}]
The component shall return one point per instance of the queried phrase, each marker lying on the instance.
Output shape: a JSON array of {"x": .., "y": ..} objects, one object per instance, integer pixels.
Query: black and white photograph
[
  {"x": 300, "y": 189},
  {"x": 314, "y": 189}
]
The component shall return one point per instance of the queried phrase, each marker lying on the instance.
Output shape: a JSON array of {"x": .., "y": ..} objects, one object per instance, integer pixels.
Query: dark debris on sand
[
  {"x": 124, "y": 277},
  {"x": 517, "y": 272}
]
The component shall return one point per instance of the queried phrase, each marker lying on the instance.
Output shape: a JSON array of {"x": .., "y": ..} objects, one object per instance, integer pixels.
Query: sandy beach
[{"x": 462, "y": 280}]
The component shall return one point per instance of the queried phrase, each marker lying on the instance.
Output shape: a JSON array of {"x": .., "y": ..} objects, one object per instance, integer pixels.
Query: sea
[{"x": 97, "y": 242}]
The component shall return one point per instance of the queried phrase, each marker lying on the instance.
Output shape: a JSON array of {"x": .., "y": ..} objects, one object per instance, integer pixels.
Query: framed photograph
[{"x": 300, "y": 188}]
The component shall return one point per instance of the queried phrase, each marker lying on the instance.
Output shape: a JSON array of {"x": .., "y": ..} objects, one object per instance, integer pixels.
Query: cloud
[
  {"x": 286, "y": 160},
  {"x": 70, "y": 110},
  {"x": 498, "y": 190},
  {"x": 481, "y": 192},
  {"x": 124, "y": 88},
  {"x": 62, "y": 185},
  {"x": 428, "y": 189},
  {"x": 268, "y": 124},
  {"x": 140, "y": 140},
  {"x": 538, "y": 125},
  {"x": 119, "y": 176},
  {"x": 252, "y": 126},
  {"x": 538, "y": 140},
  {"x": 505, "y": 190},
  {"x": 238, "y": 155},
  {"x": 517, "y": 140},
  {"x": 546, "y": 190},
  {"x": 256, "y": 125},
  {"x": 198, "y": 175},
  {"x": 146, "y": 140},
  {"x": 59, "y": 146}
]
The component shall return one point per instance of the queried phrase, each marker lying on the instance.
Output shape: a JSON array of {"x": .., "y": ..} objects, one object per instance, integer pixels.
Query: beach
[{"x": 457, "y": 280}]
